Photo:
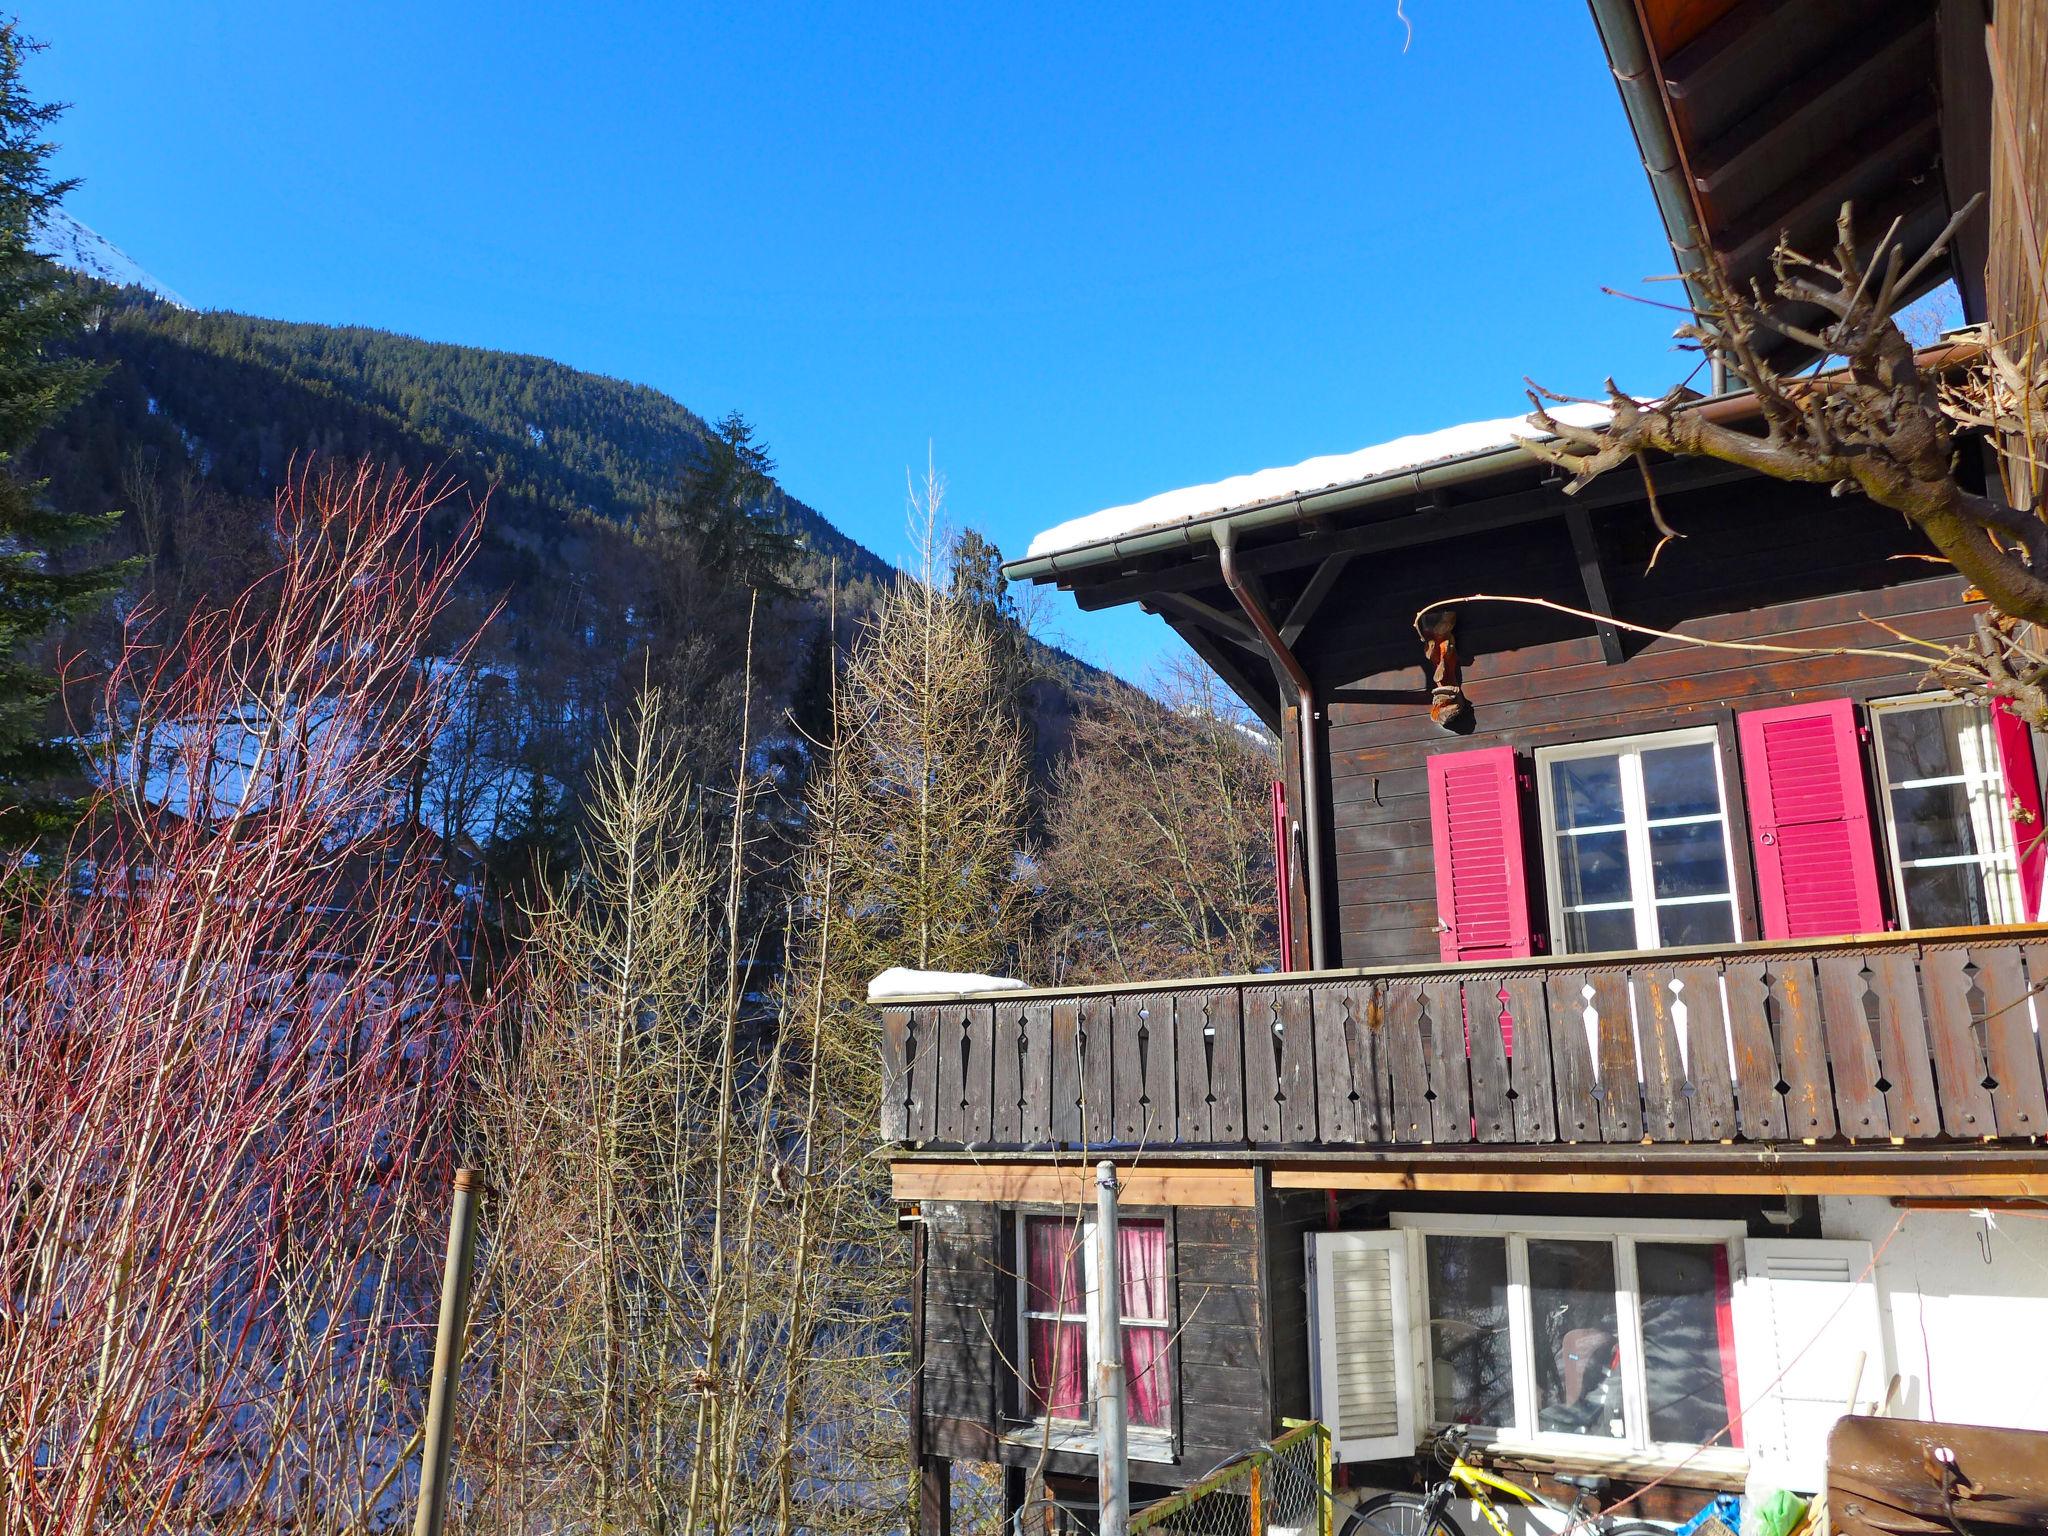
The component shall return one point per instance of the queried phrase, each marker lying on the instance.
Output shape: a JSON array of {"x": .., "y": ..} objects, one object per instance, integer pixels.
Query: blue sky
[{"x": 1087, "y": 254}]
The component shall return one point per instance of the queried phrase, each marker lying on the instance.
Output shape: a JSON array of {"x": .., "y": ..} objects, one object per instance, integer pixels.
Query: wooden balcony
[{"x": 1918, "y": 1038}]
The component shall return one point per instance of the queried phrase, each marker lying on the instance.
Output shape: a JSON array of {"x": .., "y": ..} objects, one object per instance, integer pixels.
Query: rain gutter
[
  {"x": 1309, "y": 755},
  {"x": 1642, "y": 98}
]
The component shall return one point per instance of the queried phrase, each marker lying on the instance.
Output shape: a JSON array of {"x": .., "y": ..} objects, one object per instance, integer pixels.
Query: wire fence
[{"x": 1282, "y": 1489}]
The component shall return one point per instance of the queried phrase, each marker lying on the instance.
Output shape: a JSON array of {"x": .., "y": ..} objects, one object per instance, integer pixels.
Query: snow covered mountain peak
[{"x": 75, "y": 245}]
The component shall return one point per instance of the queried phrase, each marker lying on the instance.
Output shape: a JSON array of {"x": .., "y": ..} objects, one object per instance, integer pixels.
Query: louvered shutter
[
  {"x": 1363, "y": 1384},
  {"x": 1809, "y": 821},
  {"x": 2023, "y": 801},
  {"x": 1806, "y": 1318},
  {"x": 1482, "y": 887}
]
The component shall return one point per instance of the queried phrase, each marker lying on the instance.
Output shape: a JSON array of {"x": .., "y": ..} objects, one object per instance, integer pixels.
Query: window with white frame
[
  {"x": 1593, "y": 1341},
  {"x": 1635, "y": 842},
  {"x": 1057, "y": 1280},
  {"x": 1945, "y": 802}
]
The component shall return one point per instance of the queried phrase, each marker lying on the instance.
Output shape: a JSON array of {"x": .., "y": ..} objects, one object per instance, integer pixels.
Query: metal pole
[
  {"x": 1113, "y": 1465},
  {"x": 448, "y": 1345}
]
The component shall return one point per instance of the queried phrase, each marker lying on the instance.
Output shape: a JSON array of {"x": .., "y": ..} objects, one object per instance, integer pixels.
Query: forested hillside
[{"x": 201, "y": 415}]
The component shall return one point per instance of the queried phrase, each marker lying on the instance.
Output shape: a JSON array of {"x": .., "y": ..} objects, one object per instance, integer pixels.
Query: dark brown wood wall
[
  {"x": 1223, "y": 1346},
  {"x": 1784, "y": 565}
]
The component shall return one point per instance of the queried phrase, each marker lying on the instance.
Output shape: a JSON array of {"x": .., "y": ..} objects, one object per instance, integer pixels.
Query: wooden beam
[
  {"x": 1306, "y": 606},
  {"x": 1229, "y": 626},
  {"x": 1586, "y": 549},
  {"x": 1071, "y": 1182},
  {"x": 2012, "y": 1184}
]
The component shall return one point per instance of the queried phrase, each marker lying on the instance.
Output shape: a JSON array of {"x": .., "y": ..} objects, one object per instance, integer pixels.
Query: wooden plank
[
  {"x": 977, "y": 1069},
  {"x": 1006, "y": 1120},
  {"x": 1297, "y": 1037},
  {"x": 1601, "y": 1181},
  {"x": 1208, "y": 1062},
  {"x": 1802, "y": 1048},
  {"x": 1347, "y": 1109},
  {"x": 1055, "y": 1184},
  {"x": 1129, "y": 1018},
  {"x": 895, "y": 1073},
  {"x": 1441, "y": 1024},
  {"x": 1569, "y": 997},
  {"x": 1710, "y": 1073},
  {"x": 1399, "y": 1056},
  {"x": 1224, "y": 1009},
  {"x": 1621, "y": 1090},
  {"x": 1493, "y": 1106},
  {"x": 1063, "y": 1028},
  {"x": 1535, "y": 1090},
  {"x": 1262, "y": 1120},
  {"x": 1035, "y": 1076},
  {"x": 1849, "y": 1026},
  {"x": 1910, "y": 1102},
  {"x": 1949, "y": 984},
  {"x": 1156, "y": 1066},
  {"x": 1759, "y": 1101},
  {"x": 921, "y": 1108},
  {"x": 1098, "y": 1103},
  {"x": 2010, "y": 1046},
  {"x": 1663, "y": 1012}
]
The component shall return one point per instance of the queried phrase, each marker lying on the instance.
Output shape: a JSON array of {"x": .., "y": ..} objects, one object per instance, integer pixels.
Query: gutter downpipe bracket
[{"x": 1311, "y": 734}]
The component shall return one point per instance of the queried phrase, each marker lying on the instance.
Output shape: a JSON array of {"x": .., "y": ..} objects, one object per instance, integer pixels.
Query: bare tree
[
  {"x": 1883, "y": 424},
  {"x": 1159, "y": 856}
]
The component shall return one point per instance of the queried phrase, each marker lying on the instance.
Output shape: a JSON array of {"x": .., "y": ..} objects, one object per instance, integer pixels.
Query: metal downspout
[{"x": 1305, "y": 694}]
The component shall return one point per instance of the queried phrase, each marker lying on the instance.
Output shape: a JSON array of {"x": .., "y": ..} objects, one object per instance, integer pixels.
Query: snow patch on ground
[
  {"x": 899, "y": 981},
  {"x": 72, "y": 244},
  {"x": 1416, "y": 451}
]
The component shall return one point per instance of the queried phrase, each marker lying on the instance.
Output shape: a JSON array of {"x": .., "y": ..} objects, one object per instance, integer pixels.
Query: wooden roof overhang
[{"x": 1760, "y": 118}]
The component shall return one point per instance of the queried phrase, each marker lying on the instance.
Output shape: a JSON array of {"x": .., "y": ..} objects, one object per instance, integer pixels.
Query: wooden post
[
  {"x": 449, "y": 1339},
  {"x": 1113, "y": 1467}
]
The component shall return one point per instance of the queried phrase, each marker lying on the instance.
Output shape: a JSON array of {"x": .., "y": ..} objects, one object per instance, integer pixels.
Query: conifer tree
[
  {"x": 728, "y": 511},
  {"x": 39, "y": 307}
]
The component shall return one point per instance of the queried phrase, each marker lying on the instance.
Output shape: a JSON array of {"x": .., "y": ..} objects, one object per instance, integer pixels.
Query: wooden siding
[
  {"x": 1855, "y": 1041},
  {"x": 1222, "y": 1343},
  {"x": 1763, "y": 566}
]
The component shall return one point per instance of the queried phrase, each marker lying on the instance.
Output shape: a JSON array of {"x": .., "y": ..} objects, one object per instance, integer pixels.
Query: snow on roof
[
  {"x": 899, "y": 981},
  {"x": 1172, "y": 508}
]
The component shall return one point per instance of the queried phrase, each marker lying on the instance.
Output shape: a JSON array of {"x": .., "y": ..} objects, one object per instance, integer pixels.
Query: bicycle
[{"x": 1428, "y": 1513}]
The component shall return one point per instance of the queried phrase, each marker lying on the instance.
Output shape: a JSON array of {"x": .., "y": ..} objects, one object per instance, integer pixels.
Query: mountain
[{"x": 73, "y": 244}]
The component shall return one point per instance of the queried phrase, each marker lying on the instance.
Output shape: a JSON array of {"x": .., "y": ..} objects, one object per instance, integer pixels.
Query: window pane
[
  {"x": 1148, "y": 1375},
  {"x": 1933, "y": 822},
  {"x": 1571, "y": 1304},
  {"x": 1587, "y": 932},
  {"x": 1946, "y": 896},
  {"x": 1471, "y": 1369},
  {"x": 1059, "y": 1369},
  {"x": 1690, "y": 860},
  {"x": 1688, "y": 1340},
  {"x": 1053, "y": 1254},
  {"x": 1586, "y": 791},
  {"x": 1593, "y": 867},
  {"x": 1706, "y": 922},
  {"x": 1924, "y": 743},
  {"x": 1680, "y": 781}
]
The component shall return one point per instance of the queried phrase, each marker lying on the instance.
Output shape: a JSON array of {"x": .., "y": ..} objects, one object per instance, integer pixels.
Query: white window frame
[
  {"x": 1635, "y": 1448},
  {"x": 1989, "y": 802},
  {"x": 1636, "y": 824},
  {"x": 1147, "y": 1442}
]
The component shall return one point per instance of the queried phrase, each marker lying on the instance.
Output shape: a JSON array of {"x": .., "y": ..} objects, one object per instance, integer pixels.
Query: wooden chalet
[{"x": 1658, "y": 1068}]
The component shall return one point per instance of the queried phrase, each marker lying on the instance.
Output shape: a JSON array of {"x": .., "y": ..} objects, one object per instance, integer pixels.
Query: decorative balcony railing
[{"x": 1917, "y": 1038}]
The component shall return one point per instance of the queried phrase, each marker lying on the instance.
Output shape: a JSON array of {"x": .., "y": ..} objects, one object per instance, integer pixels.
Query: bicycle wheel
[
  {"x": 1633, "y": 1528},
  {"x": 1399, "y": 1514}
]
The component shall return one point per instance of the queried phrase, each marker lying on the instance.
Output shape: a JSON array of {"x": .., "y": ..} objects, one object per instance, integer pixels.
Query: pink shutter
[
  {"x": 1809, "y": 820},
  {"x": 1482, "y": 887},
  {"x": 2023, "y": 799}
]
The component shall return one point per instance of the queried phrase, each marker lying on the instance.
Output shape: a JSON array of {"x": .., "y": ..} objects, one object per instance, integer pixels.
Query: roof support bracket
[{"x": 1586, "y": 549}]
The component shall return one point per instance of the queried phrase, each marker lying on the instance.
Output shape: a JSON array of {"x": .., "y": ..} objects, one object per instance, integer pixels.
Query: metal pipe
[
  {"x": 1310, "y": 736},
  {"x": 449, "y": 1340},
  {"x": 1112, "y": 1462}
]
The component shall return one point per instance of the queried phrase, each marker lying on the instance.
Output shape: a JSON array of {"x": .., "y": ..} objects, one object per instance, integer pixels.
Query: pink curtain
[
  {"x": 1058, "y": 1348},
  {"x": 1141, "y": 1255}
]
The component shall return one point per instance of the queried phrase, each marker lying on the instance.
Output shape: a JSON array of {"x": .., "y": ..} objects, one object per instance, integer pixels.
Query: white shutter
[
  {"x": 1807, "y": 1310},
  {"x": 1364, "y": 1355}
]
